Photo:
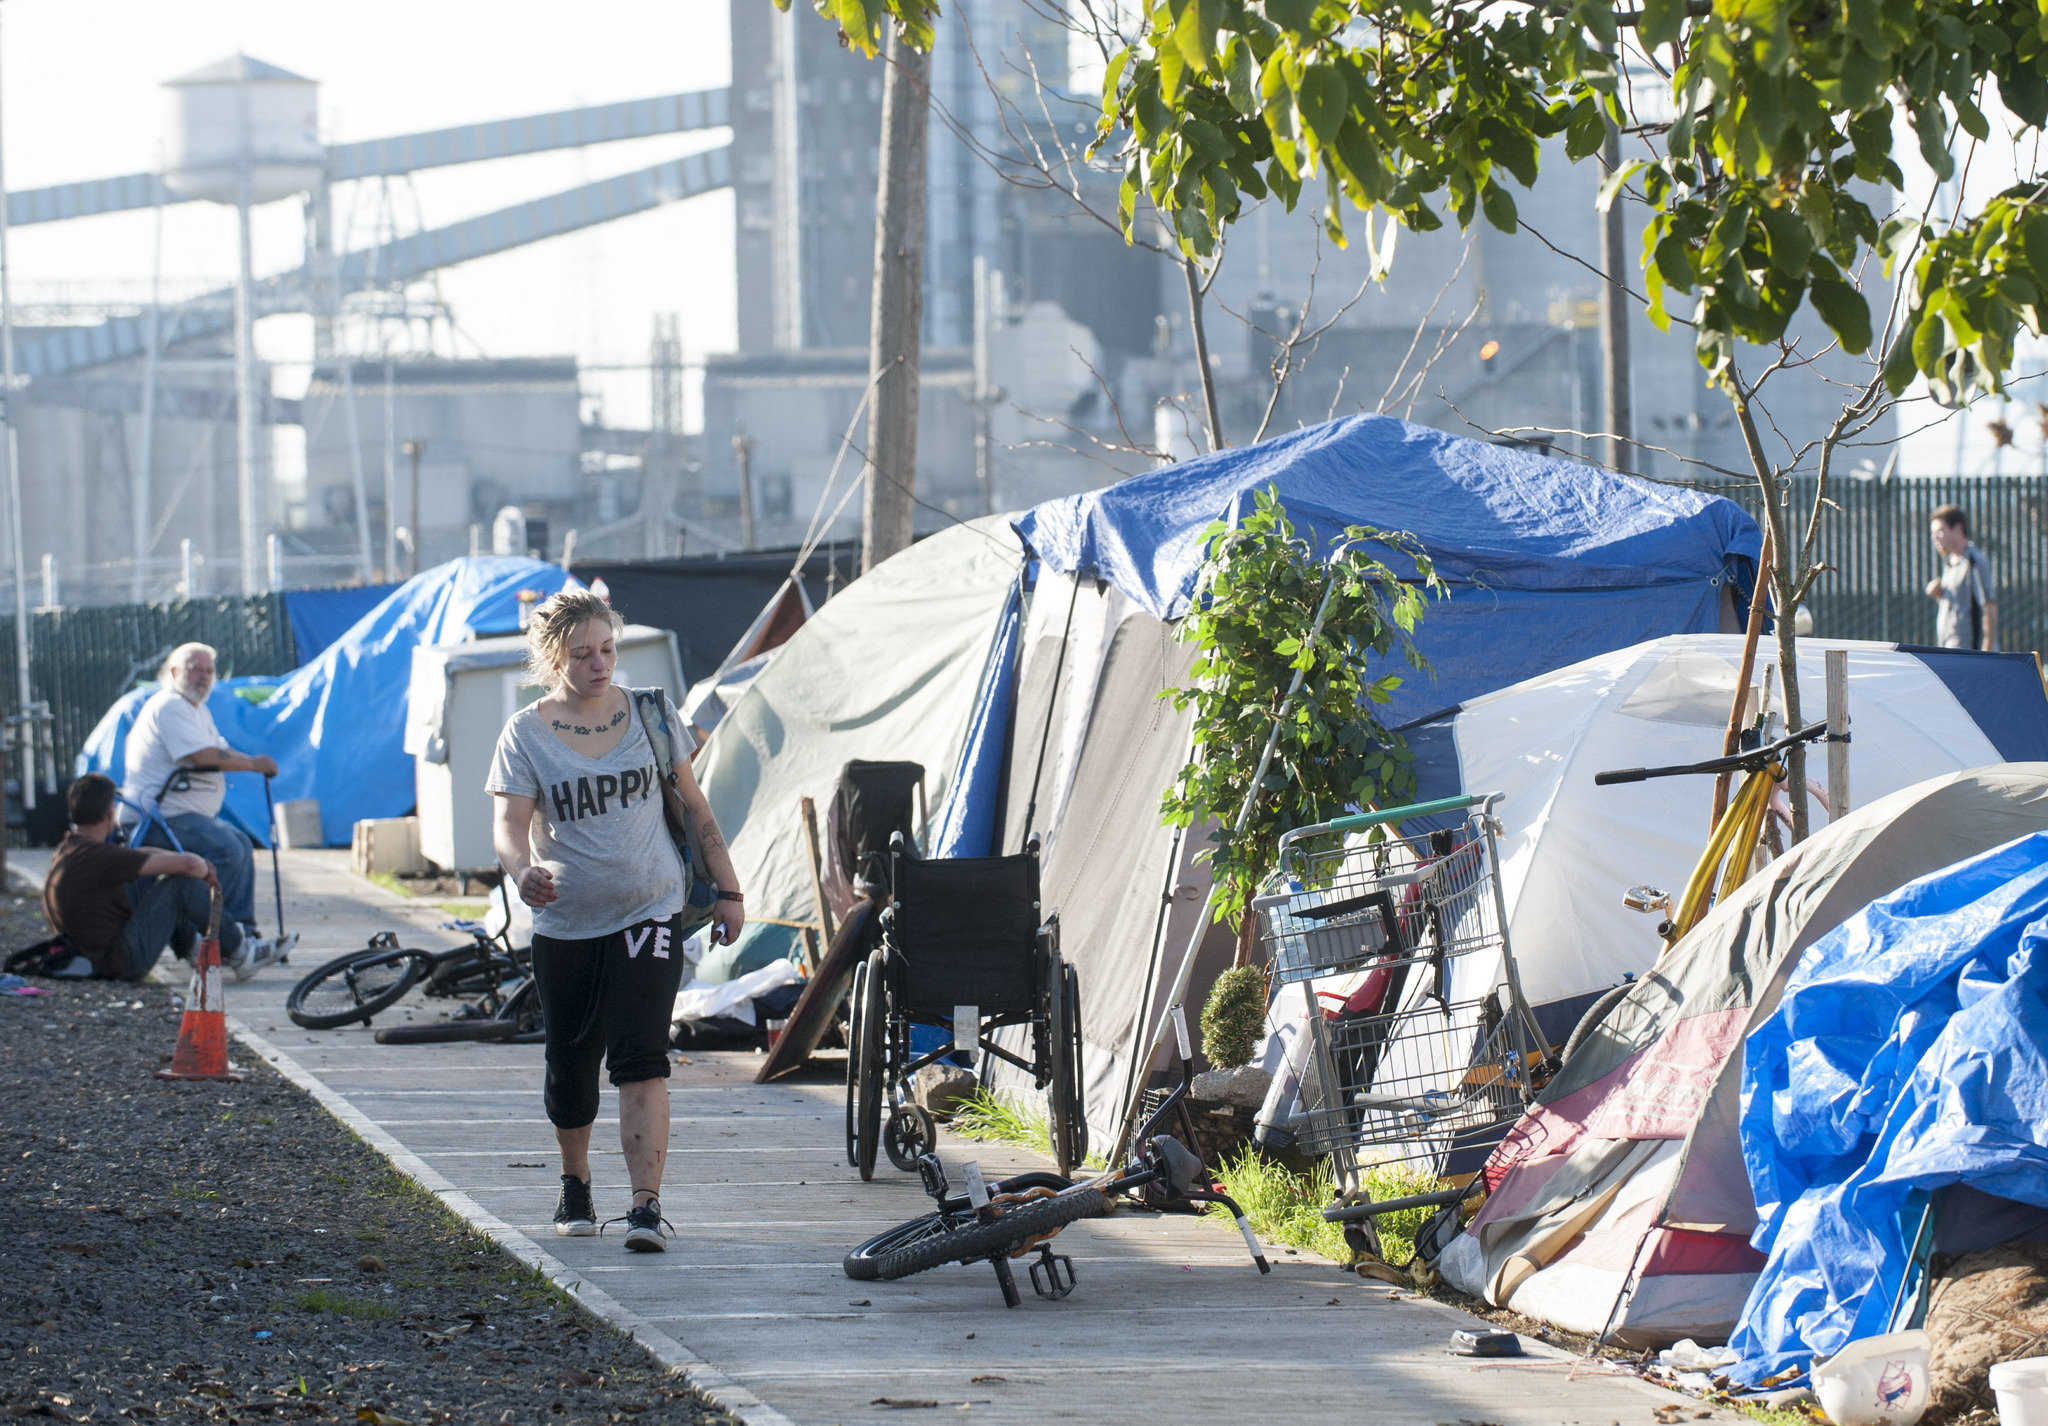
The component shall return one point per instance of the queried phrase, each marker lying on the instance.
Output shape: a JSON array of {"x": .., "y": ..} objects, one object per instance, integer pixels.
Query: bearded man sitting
[{"x": 176, "y": 754}]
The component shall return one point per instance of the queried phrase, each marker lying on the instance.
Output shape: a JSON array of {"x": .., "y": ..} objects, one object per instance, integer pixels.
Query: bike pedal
[
  {"x": 932, "y": 1174},
  {"x": 1052, "y": 1276}
]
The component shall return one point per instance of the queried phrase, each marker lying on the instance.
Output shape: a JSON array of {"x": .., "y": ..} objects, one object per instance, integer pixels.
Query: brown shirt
[{"x": 85, "y": 897}]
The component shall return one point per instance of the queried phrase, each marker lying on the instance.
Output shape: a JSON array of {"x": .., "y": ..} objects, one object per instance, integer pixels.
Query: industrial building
[{"x": 1057, "y": 356}]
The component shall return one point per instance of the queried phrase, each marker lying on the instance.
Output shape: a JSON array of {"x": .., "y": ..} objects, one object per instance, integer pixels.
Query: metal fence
[
  {"x": 82, "y": 659},
  {"x": 1874, "y": 541}
]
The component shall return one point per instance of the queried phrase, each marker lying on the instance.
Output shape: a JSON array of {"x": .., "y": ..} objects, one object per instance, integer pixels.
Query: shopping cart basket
[{"x": 1425, "y": 1057}]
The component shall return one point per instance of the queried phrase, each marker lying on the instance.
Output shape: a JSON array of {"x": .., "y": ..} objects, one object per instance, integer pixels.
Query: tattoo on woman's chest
[{"x": 578, "y": 728}]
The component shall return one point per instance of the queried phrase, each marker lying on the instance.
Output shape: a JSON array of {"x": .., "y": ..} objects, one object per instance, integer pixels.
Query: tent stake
[{"x": 1244, "y": 815}]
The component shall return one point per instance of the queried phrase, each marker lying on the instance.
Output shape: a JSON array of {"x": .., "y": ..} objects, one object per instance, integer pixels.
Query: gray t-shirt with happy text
[{"x": 600, "y": 819}]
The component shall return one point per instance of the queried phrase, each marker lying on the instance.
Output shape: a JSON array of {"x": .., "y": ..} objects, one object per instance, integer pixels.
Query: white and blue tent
[{"x": 1549, "y": 562}]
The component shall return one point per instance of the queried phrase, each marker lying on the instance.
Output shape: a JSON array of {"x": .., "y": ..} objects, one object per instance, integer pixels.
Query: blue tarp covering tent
[
  {"x": 337, "y": 725},
  {"x": 1549, "y": 561},
  {"x": 1910, "y": 1052},
  {"x": 320, "y": 616}
]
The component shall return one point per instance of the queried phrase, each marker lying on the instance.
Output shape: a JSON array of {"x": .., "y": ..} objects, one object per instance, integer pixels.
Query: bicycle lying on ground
[
  {"x": 1011, "y": 1217},
  {"x": 494, "y": 977}
]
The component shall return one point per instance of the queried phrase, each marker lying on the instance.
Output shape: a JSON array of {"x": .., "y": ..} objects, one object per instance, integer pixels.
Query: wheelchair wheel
[
  {"x": 1068, "y": 1112},
  {"x": 355, "y": 987},
  {"x": 856, "y": 999},
  {"x": 866, "y": 1075},
  {"x": 912, "y": 1131}
]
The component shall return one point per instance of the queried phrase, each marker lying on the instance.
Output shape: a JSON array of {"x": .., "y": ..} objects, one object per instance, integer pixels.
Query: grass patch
[
  {"x": 390, "y": 883},
  {"x": 341, "y": 1304},
  {"x": 1287, "y": 1207},
  {"x": 991, "y": 1118}
]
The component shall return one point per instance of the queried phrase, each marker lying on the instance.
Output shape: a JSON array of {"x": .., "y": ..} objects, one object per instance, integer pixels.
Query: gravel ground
[{"x": 230, "y": 1252}]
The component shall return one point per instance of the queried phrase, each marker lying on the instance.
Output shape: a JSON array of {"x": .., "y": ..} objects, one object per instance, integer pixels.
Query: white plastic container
[
  {"x": 1879, "y": 1381},
  {"x": 2022, "y": 1390}
]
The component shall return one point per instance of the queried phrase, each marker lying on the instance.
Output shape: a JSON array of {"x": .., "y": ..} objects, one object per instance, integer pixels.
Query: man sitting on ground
[
  {"x": 118, "y": 907},
  {"x": 175, "y": 734}
]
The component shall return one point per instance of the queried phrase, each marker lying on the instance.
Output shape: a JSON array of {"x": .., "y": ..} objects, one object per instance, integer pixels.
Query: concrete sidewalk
[{"x": 1169, "y": 1320}]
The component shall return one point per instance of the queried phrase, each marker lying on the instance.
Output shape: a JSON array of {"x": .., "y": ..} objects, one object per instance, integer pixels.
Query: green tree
[
  {"x": 1261, "y": 587},
  {"x": 1759, "y": 190}
]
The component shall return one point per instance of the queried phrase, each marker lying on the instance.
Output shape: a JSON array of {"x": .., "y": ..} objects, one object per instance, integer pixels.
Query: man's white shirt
[{"x": 170, "y": 728}]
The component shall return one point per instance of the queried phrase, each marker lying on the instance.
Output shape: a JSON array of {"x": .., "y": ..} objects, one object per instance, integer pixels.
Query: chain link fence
[
  {"x": 82, "y": 659},
  {"x": 1875, "y": 545}
]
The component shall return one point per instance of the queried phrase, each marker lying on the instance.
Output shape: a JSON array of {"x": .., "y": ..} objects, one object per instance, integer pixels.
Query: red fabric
[{"x": 1656, "y": 1093}]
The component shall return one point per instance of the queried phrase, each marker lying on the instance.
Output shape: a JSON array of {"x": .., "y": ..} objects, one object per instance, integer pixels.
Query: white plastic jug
[
  {"x": 2022, "y": 1389},
  {"x": 1879, "y": 1381}
]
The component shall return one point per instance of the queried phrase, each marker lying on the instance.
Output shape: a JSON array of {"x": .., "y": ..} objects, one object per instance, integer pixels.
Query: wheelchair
[{"x": 962, "y": 950}]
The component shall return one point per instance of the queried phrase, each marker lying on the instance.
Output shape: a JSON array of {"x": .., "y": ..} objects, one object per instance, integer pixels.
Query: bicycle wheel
[
  {"x": 1591, "y": 1020},
  {"x": 1069, "y": 1112},
  {"x": 872, "y": 1071},
  {"x": 855, "y": 1000},
  {"x": 522, "y": 1008},
  {"x": 863, "y": 1264},
  {"x": 1001, "y": 1235},
  {"x": 447, "y": 1032},
  {"x": 355, "y": 987}
]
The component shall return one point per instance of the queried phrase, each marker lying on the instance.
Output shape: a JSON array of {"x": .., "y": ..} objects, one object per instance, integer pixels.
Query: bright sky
[{"x": 80, "y": 83}]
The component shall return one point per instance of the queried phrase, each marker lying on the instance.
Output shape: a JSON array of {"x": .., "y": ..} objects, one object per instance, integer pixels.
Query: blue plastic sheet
[
  {"x": 1910, "y": 1051},
  {"x": 320, "y": 616},
  {"x": 337, "y": 725},
  {"x": 967, "y": 823},
  {"x": 1550, "y": 560}
]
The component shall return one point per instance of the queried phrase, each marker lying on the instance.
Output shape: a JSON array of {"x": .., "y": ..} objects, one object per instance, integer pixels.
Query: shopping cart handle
[{"x": 1358, "y": 820}]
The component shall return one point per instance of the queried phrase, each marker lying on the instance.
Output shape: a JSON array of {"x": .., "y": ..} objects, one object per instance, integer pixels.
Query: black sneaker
[
  {"x": 574, "y": 1215},
  {"x": 646, "y": 1230}
]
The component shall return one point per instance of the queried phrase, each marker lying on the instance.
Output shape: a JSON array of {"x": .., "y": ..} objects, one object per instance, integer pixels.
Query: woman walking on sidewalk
[{"x": 579, "y": 828}]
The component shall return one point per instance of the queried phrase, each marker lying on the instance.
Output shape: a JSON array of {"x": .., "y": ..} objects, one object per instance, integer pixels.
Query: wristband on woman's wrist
[{"x": 724, "y": 895}]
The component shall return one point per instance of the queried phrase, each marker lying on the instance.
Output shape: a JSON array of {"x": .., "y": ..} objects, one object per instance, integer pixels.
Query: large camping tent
[
  {"x": 336, "y": 725},
  {"x": 1570, "y": 849},
  {"x": 890, "y": 668},
  {"x": 1548, "y": 561},
  {"x": 1619, "y": 1204}
]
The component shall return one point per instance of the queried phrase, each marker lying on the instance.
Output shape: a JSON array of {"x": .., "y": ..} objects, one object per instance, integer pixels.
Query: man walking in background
[
  {"x": 175, "y": 734},
  {"x": 1966, "y": 593}
]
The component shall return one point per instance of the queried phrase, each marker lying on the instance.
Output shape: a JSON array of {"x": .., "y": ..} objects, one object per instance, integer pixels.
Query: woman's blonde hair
[{"x": 555, "y": 622}]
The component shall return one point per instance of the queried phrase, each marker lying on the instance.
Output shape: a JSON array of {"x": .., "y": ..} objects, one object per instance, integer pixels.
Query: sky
[{"x": 81, "y": 97}]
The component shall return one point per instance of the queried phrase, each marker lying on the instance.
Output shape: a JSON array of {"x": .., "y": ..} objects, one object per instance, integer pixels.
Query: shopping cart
[{"x": 1427, "y": 1053}]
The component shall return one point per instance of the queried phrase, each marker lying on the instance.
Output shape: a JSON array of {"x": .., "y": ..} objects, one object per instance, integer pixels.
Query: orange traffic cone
[{"x": 202, "y": 1051}]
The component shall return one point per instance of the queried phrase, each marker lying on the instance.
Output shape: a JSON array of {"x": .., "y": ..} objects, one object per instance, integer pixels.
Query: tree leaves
[{"x": 1260, "y": 590}]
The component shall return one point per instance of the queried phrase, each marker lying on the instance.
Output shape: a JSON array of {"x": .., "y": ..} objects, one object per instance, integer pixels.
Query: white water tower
[
  {"x": 244, "y": 132},
  {"x": 237, "y": 118}
]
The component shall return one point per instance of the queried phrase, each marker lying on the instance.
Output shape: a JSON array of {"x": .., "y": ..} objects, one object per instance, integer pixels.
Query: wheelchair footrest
[{"x": 1052, "y": 1275}]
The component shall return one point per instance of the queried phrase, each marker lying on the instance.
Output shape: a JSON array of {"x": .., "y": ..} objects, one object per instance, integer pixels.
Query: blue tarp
[
  {"x": 320, "y": 616},
  {"x": 967, "y": 821},
  {"x": 1910, "y": 1051},
  {"x": 1550, "y": 560},
  {"x": 337, "y": 725}
]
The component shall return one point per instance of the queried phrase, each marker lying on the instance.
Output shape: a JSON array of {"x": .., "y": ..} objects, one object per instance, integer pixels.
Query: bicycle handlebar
[{"x": 1740, "y": 762}]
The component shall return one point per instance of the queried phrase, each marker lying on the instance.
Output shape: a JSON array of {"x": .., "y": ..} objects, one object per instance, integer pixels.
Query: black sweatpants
[{"x": 606, "y": 998}]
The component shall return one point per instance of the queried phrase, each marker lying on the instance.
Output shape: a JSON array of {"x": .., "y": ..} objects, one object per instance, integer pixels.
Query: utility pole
[
  {"x": 898, "y": 312},
  {"x": 414, "y": 449},
  {"x": 23, "y": 724},
  {"x": 248, "y": 494},
  {"x": 1616, "y": 414},
  {"x": 743, "y": 457},
  {"x": 985, "y": 393}
]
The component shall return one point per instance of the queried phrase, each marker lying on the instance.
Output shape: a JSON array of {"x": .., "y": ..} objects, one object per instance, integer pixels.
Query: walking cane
[{"x": 276, "y": 880}]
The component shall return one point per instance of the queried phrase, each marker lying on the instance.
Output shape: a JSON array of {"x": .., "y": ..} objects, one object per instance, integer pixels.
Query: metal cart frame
[{"x": 1435, "y": 1054}]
